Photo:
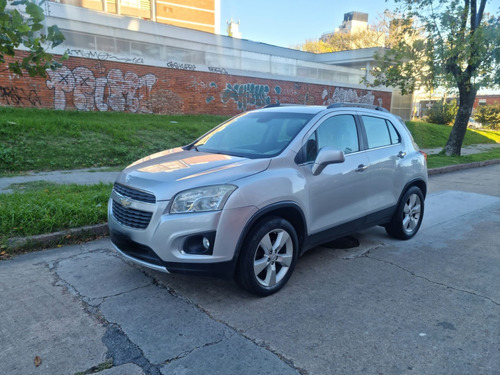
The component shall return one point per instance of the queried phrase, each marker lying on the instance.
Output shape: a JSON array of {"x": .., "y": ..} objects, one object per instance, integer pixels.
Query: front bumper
[{"x": 160, "y": 245}]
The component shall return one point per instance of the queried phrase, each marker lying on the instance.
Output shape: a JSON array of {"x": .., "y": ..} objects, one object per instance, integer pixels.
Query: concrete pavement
[{"x": 430, "y": 305}]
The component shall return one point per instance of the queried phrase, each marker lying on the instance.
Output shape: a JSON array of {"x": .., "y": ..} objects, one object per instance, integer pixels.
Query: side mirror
[{"x": 326, "y": 156}]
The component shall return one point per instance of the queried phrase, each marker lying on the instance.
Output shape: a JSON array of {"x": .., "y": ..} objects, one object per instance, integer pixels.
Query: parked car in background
[
  {"x": 474, "y": 124},
  {"x": 249, "y": 197}
]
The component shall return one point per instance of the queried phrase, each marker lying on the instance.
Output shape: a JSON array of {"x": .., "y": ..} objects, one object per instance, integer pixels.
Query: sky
[{"x": 287, "y": 23}]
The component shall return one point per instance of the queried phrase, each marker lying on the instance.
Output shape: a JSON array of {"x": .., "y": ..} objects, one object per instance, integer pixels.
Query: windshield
[{"x": 259, "y": 134}]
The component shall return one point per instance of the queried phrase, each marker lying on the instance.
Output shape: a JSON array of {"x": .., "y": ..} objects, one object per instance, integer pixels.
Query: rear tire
[
  {"x": 408, "y": 216},
  {"x": 268, "y": 256}
]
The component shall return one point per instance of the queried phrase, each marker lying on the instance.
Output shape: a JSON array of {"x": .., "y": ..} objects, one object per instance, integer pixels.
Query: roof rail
[
  {"x": 279, "y": 105},
  {"x": 361, "y": 105}
]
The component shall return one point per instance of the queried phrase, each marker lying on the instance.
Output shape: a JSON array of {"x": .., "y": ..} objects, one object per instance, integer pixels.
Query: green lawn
[
  {"x": 44, "y": 140},
  {"x": 432, "y": 135}
]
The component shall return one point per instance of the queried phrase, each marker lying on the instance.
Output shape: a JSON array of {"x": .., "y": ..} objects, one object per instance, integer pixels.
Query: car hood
[{"x": 166, "y": 173}]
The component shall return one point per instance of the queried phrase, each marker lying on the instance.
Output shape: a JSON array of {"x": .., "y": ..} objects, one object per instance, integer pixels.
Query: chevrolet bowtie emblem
[{"x": 125, "y": 202}]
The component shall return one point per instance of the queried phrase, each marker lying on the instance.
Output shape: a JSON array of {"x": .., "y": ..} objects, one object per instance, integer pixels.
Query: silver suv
[{"x": 249, "y": 197}]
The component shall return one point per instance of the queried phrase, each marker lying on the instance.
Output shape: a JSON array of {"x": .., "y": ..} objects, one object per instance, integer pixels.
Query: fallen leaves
[{"x": 38, "y": 361}]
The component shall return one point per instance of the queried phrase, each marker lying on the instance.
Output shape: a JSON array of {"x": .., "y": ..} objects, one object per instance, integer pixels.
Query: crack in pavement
[
  {"x": 115, "y": 340},
  {"x": 188, "y": 352},
  {"x": 119, "y": 346},
  {"x": 432, "y": 281},
  {"x": 241, "y": 333},
  {"x": 363, "y": 252}
]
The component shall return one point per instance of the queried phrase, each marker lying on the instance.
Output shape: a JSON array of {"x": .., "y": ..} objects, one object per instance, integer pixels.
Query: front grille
[
  {"x": 136, "y": 195},
  {"x": 131, "y": 217}
]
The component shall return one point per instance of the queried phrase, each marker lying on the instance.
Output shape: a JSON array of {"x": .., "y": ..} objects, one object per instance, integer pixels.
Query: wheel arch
[
  {"x": 420, "y": 183},
  {"x": 290, "y": 211}
]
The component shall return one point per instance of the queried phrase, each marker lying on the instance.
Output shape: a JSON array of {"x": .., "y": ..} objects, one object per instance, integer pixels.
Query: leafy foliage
[
  {"x": 442, "y": 112},
  {"x": 376, "y": 35},
  {"x": 344, "y": 42},
  {"x": 447, "y": 43},
  {"x": 27, "y": 30},
  {"x": 488, "y": 115}
]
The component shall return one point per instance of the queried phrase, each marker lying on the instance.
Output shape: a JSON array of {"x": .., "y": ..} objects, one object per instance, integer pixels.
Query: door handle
[
  {"x": 401, "y": 154},
  {"x": 361, "y": 168}
]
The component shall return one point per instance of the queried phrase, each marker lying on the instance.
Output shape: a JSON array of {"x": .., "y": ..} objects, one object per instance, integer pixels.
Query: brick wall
[
  {"x": 97, "y": 85},
  {"x": 486, "y": 99}
]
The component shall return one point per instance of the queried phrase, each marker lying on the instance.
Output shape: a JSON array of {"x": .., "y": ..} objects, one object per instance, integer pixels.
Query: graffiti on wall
[
  {"x": 115, "y": 90},
  {"x": 213, "y": 69},
  {"x": 245, "y": 95},
  {"x": 18, "y": 96},
  {"x": 348, "y": 96},
  {"x": 103, "y": 56},
  {"x": 180, "y": 66}
]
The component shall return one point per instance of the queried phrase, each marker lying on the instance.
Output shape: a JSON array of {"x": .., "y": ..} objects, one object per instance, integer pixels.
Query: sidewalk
[
  {"x": 467, "y": 150},
  {"x": 79, "y": 176}
]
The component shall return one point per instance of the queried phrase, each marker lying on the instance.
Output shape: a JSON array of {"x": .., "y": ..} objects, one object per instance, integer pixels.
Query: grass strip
[
  {"x": 441, "y": 160},
  {"x": 43, "y": 207}
]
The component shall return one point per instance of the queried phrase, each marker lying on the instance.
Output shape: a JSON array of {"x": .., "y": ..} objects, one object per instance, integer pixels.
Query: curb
[
  {"x": 65, "y": 237},
  {"x": 461, "y": 167},
  {"x": 43, "y": 241}
]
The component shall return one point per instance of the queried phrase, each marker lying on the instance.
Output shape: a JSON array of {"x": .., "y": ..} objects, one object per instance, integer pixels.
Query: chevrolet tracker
[{"x": 249, "y": 197}]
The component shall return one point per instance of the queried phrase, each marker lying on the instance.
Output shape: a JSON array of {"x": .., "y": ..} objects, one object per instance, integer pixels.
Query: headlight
[{"x": 208, "y": 198}]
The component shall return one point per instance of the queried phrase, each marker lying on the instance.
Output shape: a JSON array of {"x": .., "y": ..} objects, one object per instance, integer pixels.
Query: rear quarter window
[{"x": 380, "y": 132}]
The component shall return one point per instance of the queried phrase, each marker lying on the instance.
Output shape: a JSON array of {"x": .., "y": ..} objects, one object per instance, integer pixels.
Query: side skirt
[{"x": 377, "y": 218}]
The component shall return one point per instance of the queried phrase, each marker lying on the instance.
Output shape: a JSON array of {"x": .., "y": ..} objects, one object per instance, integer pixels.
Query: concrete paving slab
[
  {"x": 162, "y": 325},
  {"x": 127, "y": 369},
  {"x": 39, "y": 319},
  {"x": 100, "y": 274},
  {"x": 235, "y": 355}
]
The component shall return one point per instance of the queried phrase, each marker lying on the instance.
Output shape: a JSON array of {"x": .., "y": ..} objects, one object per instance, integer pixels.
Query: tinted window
[
  {"x": 379, "y": 132},
  {"x": 395, "y": 137},
  {"x": 338, "y": 132}
]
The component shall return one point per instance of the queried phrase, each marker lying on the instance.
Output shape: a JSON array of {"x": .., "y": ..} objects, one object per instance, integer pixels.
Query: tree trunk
[{"x": 467, "y": 94}]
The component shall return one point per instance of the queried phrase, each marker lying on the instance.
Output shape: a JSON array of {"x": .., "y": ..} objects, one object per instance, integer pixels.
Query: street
[{"x": 430, "y": 305}]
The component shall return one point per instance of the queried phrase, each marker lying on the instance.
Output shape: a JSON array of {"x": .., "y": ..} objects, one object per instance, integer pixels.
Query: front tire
[
  {"x": 408, "y": 216},
  {"x": 268, "y": 256}
]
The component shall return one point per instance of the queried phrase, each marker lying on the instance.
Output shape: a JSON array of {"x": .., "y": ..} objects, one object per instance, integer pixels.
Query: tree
[
  {"x": 17, "y": 30},
  {"x": 344, "y": 41},
  {"x": 460, "y": 50},
  {"x": 488, "y": 115},
  {"x": 379, "y": 34}
]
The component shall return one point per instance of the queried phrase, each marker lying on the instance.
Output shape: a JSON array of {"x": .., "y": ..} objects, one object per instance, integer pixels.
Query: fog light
[
  {"x": 199, "y": 244},
  {"x": 206, "y": 243}
]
